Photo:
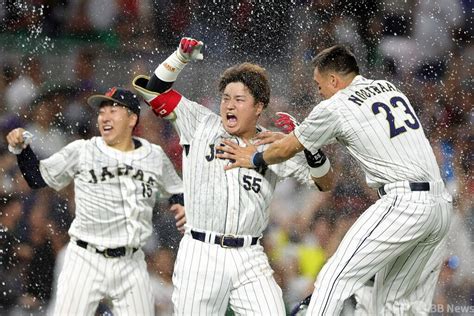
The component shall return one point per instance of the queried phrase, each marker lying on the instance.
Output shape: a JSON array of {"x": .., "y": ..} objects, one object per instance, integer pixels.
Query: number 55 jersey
[{"x": 225, "y": 202}]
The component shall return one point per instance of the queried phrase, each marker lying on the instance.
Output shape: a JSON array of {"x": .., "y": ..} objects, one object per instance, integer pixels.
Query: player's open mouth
[
  {"x": 107, "y": 129},
  {"x": 231, "y": 120}
]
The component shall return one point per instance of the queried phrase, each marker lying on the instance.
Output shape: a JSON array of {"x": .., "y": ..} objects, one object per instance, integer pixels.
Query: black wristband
[
  {"x": 315, "y": 160},
  {"x": 257, "y": 160}
]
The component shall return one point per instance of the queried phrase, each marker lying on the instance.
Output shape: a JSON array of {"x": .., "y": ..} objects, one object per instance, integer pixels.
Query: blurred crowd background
[{"x": 54, "y": 54}]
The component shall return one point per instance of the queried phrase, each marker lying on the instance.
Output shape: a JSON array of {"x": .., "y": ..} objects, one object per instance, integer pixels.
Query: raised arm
[
  {"x": 156, "y": 90},
  {"x": 18, "y": 143}
]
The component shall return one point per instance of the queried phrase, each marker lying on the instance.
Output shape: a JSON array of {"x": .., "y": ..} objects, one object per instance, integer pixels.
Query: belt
[
  {"x": 225, "y": 241},
  {"x": 109, "y": 252},
  {"x": 414, "y": 186}
]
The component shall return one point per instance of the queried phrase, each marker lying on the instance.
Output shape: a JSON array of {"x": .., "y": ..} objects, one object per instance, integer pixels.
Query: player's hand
[
  {"x": 267, "y": 137},
  {"x": 179, "y": 216},
  {"x": 240, "y": 155},
  {"x": 18, "y": 139},
  {"x": 189, "y": 49},
  {"x": 285, "y": 122},
  {"x": 15, "y": 137}
]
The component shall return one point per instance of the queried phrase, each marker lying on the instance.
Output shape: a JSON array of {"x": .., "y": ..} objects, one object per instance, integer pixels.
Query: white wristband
[
  {"x": 169, "y": 69},
  {"x": 320, "y": 171}
]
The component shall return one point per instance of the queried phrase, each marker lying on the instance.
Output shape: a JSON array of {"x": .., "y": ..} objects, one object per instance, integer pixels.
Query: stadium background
[{"x": 53, "y": 54}]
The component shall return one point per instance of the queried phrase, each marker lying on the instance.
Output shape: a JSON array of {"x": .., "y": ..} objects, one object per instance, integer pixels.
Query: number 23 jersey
[{"x": 379, "y": 128}]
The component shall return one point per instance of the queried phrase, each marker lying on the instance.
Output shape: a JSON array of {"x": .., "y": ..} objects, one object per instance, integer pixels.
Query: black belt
[
  {"x": 109, "y": 252},
  {"x": 414, "y": 186},
  {"x": 225, "y": 241}
]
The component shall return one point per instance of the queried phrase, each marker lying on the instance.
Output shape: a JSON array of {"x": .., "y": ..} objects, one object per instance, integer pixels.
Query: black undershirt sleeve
[
  {"x": 29, "y": 167},
  {"x": 157, "y": 85}
]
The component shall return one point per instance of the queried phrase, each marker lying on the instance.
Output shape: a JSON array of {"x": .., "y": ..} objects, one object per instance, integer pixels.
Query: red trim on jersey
[{"x": 165, "y": 103}]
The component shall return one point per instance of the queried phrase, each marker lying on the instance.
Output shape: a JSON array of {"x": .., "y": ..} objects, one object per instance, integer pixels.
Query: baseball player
[
  {"x": 117, "y": 178},
  {"x": 220, "y": 260},
  {"x": 396, "y": 239}
]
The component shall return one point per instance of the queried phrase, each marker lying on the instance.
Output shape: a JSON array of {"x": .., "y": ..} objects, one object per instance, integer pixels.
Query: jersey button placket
[
  {"x": 129, "y": 188},
  {"x": 233, "y": 188}
]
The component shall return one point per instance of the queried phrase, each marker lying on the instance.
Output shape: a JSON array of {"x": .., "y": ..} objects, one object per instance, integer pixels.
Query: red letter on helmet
[{"x": 165, "y": 103}]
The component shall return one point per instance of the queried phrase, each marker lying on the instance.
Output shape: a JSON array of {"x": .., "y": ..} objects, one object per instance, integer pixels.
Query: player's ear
[
  {"x": 333, "y": 80},
  {"x": 259, "y": 108},
  {"x": 133, "y": 120}
]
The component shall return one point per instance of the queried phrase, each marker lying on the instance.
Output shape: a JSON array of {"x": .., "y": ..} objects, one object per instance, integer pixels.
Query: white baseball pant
[
  {"x": 207, "y": 278},
  {"x": 87, "y": 277},
  {"x": 398, "y": 239}
]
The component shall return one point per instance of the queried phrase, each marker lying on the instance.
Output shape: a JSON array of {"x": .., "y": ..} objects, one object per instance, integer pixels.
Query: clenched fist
[
  {"x": 190, "y": 49},
  {"x": 18, "y": 139}
]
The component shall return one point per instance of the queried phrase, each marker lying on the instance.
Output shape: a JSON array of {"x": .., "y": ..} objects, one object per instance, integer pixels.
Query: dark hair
[
  {"x": 252, "y": 76},
  {"x": 337, "y": 58}
]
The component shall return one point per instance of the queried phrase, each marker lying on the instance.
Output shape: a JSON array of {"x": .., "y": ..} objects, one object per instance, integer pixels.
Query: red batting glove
[
  {"x": 190, "y": 49},
  {"x": 285, "y": 122}
]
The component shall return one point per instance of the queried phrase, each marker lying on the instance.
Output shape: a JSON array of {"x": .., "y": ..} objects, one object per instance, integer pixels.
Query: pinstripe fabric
[
  {"x": 207, "y": 277},
  {"x": 398, "y": 238},
  {"x": 221, "y": 201},
  {"x": 396, "y": 242},
  {"x": 114, "y": 191},
  {"x": 87, "y": 277},
  {"x": 407, "y": 156},
  {"x": 114, "y": 195}
]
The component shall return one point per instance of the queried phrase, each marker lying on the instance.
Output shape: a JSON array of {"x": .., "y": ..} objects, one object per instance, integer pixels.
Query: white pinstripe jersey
[
  {"x": 230, "y": 202},
  {"x": 115, "y": 191},
  {"x": 377, "y": 124}
]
